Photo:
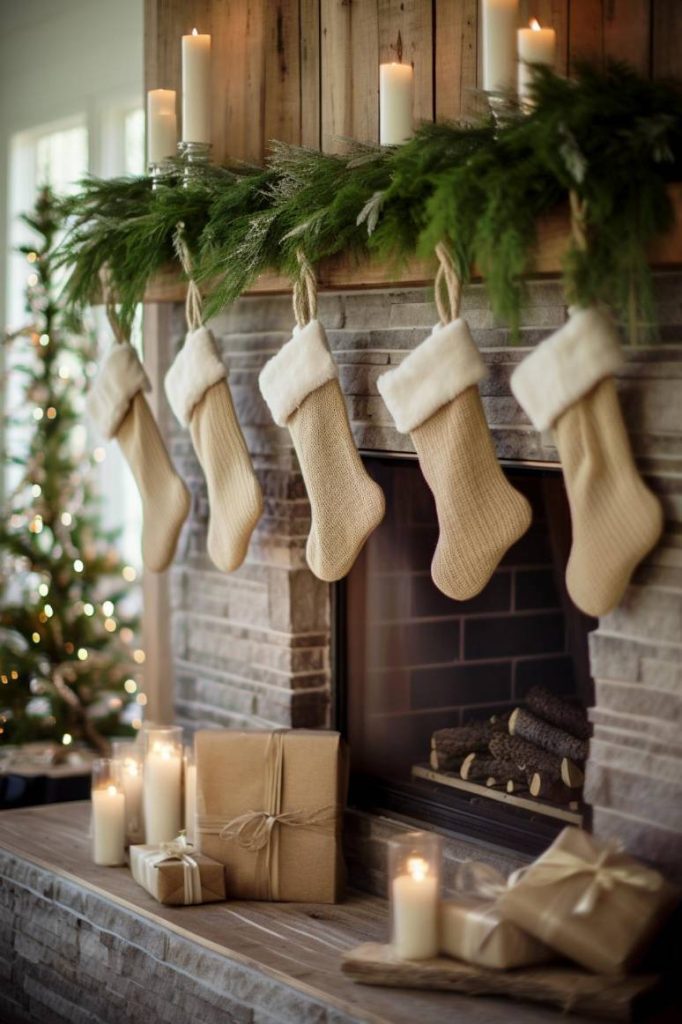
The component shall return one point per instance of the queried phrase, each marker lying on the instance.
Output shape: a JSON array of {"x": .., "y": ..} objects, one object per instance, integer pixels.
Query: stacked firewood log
[{"x": 537, "y": 750}]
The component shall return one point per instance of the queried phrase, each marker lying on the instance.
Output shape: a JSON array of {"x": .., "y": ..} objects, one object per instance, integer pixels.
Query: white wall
[{"x": 60, "y": 58}]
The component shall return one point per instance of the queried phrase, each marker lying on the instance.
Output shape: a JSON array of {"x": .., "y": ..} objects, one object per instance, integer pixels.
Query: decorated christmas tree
[{"x": 68, "y": 652}]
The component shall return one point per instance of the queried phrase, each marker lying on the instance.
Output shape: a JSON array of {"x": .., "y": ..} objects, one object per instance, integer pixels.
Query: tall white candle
[
  {"x": 396, "y": 101},
  {"x": 196, "y": 88},
  {"x": 108, "y": 826},
  {"x": 499, "y": 44},
  {"x": 190, "y": 800},
  {"x": 536, "y": 45},
  {"x": 162, "y": 793},
  {"x": 162, "y": 126},
  {"x": 415, "y": 912}
]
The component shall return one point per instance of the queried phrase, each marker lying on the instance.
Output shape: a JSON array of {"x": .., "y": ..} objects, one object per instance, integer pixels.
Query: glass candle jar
[
  {"x": 190, "y": 795},
  {"x": 128, "y": 756},
  {"x": 162, "y": 782},
  {"x": 108, "y": 814},
  {"x": 414, "y": 878}
]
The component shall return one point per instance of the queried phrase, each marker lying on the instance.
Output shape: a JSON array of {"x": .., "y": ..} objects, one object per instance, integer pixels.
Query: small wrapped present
[
  {"x": 472, "y": 928},
  {"x": 590, "y": 901},
  {"x": 269, "y": 807},
  {"x": 176, "y": 874}
]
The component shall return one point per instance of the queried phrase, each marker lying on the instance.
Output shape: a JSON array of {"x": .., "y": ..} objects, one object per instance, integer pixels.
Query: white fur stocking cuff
[
  {"x": 301, "y": 366},
  {"x": 195, "y": 369},
  {"x": 566, "y": 366},
  {"x": 120, "y": 378},
  {"x": 443, "y": 366}
]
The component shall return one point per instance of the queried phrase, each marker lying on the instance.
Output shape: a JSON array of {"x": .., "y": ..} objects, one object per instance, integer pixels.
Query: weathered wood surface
[
  {"x": 308, "y": 70},
  {"x": 568, "y": 988},
  {"x": 294, "y": 946}
]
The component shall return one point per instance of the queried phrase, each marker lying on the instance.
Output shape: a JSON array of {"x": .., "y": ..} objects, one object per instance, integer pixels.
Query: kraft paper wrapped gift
[
  {"x": 269, "y": 807},
  {"x": 590, "y": 901},
  {"x": 176, "y": 874},
  {"x": 472, "y": 928}
]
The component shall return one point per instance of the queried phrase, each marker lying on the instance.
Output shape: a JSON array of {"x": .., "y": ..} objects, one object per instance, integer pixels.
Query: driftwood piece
[
  {"x": 449, "y": 747},
  {"x": 557, "y": 741},
  {"x": 570, "y": 988},
  {"x": 558, "y": 712}
]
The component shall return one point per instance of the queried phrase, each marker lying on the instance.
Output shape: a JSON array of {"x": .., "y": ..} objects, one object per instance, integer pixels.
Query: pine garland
[{"x": 610, "y": 138}]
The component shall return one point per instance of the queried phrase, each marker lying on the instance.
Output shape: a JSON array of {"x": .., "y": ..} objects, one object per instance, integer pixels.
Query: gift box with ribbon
[
  {"x": 589, "y": 900},
  {"x": 176, "y": 874},
  {"x": 269, "y": 807},
  {"x": 472, "y": 928}
]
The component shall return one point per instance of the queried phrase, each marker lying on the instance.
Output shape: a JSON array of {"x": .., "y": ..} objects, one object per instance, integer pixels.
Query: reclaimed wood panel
[
  {"x": 667, "y": 39},
  {"x": 455, "y": 36},
  {"x": 405, "y": 33},
  {"x": 349, "y": 69},
  {"x": 309, "y": 25},
  {"x": 610, "y": 29}
]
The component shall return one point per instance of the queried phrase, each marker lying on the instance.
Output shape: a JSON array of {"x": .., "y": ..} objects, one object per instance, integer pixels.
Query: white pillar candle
[
  {"x": 415, "y": 912},
  {"x": 162, "y": 793},
  {"x": 396, "y": 101},
  {"x": 499, "y": 44},
  {"x": 536, "y": 45},
  {"x": 108, "y": 826},
  {"x": 190, "y": 799},
  {"x": 196, "y": 88},
  {"x": 162, "y": 127}
]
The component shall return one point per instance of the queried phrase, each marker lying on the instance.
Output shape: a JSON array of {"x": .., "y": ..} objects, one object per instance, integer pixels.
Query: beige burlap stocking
[
  {"x": 300, "y": 385},
  {"x": 433, "y": 396},
  {"x": 567, "y": 384},
  {"x": 118, "y": 405},
  {"x": 197, "y": 389}
]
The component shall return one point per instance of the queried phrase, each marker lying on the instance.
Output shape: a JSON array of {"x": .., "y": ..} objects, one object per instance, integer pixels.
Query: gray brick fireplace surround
[{"x": 252, "y": 649}]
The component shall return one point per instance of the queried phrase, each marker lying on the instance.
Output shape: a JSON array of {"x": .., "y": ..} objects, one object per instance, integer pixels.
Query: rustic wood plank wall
[{"x": 307, "y": 71}]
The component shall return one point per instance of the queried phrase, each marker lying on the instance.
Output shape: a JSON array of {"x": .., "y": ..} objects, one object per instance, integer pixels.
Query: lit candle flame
[
  {"x": 195, "y": 33},
  {"x": 418, "y": 868},
  {"x": 535, "y": 24},
  {"x": 164, "y": 749},
  {"x": 111, "y": 790}
]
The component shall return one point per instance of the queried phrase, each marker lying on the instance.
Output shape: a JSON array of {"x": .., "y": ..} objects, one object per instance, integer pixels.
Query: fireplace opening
[{"x": 413, "y": 667}]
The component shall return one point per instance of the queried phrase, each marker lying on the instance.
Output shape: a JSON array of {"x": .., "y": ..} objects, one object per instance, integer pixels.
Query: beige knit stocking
[
  {"x": 300, "y": 385},
  {"x": 567, "y": 384},
  {"x": 165, "y": 499},
  {"x": 118, "y": 405},
  {"x": 234, "y": 495},
  {"x": 616, "y": 519},
  {"x": 433, "y": 396},
  {"x": 480, "y": 514},
  {"x": 197, "y": 390}
]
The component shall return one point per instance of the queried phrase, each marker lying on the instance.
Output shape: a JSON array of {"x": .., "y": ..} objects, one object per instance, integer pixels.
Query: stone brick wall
[{"x": 252, "y": 649}]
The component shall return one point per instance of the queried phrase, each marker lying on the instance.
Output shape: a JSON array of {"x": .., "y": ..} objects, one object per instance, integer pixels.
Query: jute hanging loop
[
  {"x": 448, "y": 282},
  {"x": 121, "y": 334},
  {"x": 193, "y": 302},
  {"x": 578, "y": 220},
  {"x": 305, "y": 292}
]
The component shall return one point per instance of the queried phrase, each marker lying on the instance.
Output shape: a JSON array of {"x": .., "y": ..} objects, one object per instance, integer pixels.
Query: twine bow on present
[
  {"x": 259, "y": 831},
  {"x": 179, "y": 849},
  {"x": 601, "y": 875}
]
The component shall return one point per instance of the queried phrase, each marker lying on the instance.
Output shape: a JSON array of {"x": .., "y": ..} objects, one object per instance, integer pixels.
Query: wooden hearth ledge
[{"x": 84, "y": 943}]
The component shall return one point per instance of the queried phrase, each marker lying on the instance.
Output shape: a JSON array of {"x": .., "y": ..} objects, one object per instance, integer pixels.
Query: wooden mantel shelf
[
  {"x": 85, "y": 942},
  {"x": 342, "y": 273}
]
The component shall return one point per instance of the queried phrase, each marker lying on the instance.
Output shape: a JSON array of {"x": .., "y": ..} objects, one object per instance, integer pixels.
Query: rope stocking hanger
[
  {"x": 447, "y": 286},
  {"x": 193, "y": 302},
  {"x": 305, "y": 292}
]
